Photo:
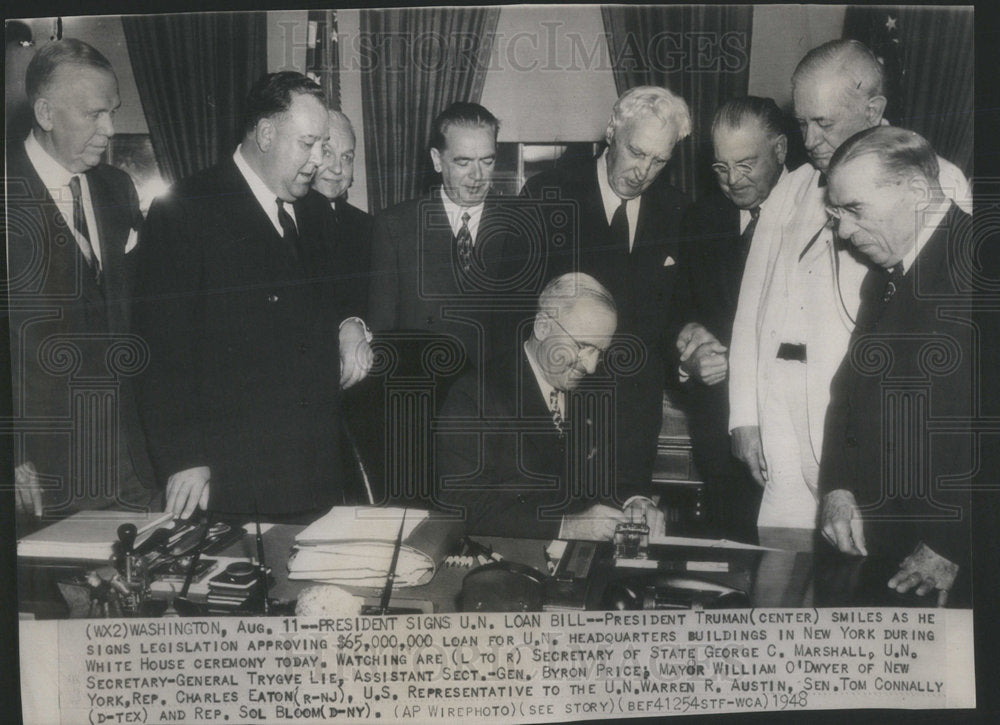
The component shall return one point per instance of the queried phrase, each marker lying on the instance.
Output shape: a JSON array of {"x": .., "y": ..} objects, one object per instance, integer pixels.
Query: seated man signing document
[{"x": 528, "y": 455}]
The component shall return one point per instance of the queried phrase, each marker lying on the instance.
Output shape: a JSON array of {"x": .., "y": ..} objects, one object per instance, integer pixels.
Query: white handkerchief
[
  {"x": 133, "y": 241},
  {"x": 669, "y": 261}
]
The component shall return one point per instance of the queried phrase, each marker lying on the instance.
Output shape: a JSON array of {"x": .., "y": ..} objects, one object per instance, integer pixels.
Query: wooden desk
[{"x": 803, "y": 574}]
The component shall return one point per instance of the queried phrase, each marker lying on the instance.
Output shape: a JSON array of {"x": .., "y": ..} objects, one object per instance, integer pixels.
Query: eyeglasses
[
  {"x": 742, "y": 169},
  {"x": 582, "y": 348}
]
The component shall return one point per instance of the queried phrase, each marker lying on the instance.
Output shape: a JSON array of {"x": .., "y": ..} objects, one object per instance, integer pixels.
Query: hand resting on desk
[
  {"x": 598, "y": 523},
  {"x": 188, "y": 490},
  {"x": 924, "y": 568}
]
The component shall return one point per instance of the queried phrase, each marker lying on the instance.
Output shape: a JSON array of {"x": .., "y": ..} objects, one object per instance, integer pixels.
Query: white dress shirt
[
  {"x": 56, "y": 179},
  {"x": 455, "y": 212},
  {"x": 612, "y": 201},
  {"x": 264, "y": 196}
]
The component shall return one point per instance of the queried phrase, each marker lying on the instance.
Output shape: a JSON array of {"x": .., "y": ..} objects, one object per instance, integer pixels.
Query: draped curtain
[
  {"x": 415, "y": 63},
  {"x": 701, "y": 53},
  {"x": 193, "y": 72},
  {"x": 929, "y": 59}
]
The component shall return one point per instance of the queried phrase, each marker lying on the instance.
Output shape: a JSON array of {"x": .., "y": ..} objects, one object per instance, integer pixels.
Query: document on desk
[
  {"x": 354, "y": 545},
  {"x": 87, "y": 535},
  {"x": 707, "y": 543}
]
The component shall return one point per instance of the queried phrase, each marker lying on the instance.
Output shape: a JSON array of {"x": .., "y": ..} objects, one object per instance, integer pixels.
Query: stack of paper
[
  {"x": 353, "y": 545},
  {"x": 87, "y": 535}
]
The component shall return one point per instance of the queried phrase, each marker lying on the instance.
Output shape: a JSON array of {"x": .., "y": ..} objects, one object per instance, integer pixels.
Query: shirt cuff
[{"x": 368, "y": 333}]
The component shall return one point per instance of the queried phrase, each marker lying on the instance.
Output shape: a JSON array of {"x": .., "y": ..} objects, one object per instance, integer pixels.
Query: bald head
[
  {"x": 575, "y": 322},
  {"x": 837, "y": 91},
  {"x": 336, "y": 173}
]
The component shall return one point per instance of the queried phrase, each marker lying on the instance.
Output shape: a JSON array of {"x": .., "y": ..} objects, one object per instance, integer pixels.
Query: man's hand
[
  {"x": 355, "y": 354},
  {"x": 595, "y": 524},
  {"x": 707, "y": 363},
  {"x": 27, "y": 492},
  {"x": 188, "y": 490},
  {"x": 747, "y": 447},
  {"x": 641, "y": 507},
  {"x": 841, "y": 522},
  {"x": 693, "y": 336},
  {"x": 925, "y": 570}
]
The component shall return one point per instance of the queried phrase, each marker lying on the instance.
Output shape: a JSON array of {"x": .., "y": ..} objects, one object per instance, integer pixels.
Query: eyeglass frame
[
  {"x": 722, "y": 170},
  {"x": 581, "y": 347}
]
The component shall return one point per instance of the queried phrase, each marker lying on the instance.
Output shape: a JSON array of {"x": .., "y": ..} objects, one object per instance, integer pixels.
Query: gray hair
[
  {"x": 341, "y": 119},
  {"x": 564, "y": 291},
  {"x": 643, "y": 101},
  {"x": 849, "y": 59},
  {"x": 901, "y": 153},
  {"x": 48, "y": 59}
]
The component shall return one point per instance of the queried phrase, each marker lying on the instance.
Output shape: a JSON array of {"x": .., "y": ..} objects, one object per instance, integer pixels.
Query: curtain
[
  {"x": 701, "y": 53},
  {"x": 929, "y": 59},
  {"x": 322, "y": 54},
  {"x": 193, "y": 72},
  {"x": 415, "y": 63}
]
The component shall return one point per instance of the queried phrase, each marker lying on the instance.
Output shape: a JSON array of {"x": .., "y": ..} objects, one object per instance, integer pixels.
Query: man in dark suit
[
  {"x": 626, "y": 234},
  {"x": 524, "y": 454},
  {"x": 749, "y": 145},
  {"x": 351, "y": 230},
  {"x": 435, "y": 258},
  {"x": 243, "y": 314},
  {"x": 71, "y": 229},
  {"x": 908, "y": 370},
  {"x": 351, "y": 226}
]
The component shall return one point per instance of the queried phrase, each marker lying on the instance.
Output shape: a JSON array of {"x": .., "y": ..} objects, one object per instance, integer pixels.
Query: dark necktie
[
  {"x": 892, "y": 284},
  {"x": 877, "y": 289},
  {"x": 80, "y": 224},
  {"x": 751, "y": 228},
  {"x": 289, "y": 232},
  {"x": 464, "y": 242},
  {"x": 557, "y": 416},
  {"x": 619, "y": 229}
]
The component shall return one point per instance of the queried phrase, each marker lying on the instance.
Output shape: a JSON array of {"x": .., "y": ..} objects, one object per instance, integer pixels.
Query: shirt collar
[
  {"x": 53, "y": 174},
  {"x": 611, "y": 200},
  {"x": 455, "y": 212},
  {"x": 932, "y": 219},
  {"x": 264, "y": 196},
  {"x": 745, "y": 213},
  {"x": 543, "y": 385}
]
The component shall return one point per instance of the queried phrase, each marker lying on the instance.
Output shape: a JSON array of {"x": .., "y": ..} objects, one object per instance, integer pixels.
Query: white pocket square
[
  {"x": 133, "y": 241},
  {"x": 669, "y": 262}
]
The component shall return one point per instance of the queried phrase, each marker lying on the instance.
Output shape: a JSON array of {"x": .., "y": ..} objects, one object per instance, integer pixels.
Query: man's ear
[
  {"x": 609, "y": 133},
  {"x": 264, "y": 134},
  {"x": 874, "y": 108},
  {"x": 542, "y": 326},
  {"x": 781, "y": 148},
  {"x": 920, "y": 188},
  {"x": 436, "y": 159},
  {"x": 43, "y": 114}
]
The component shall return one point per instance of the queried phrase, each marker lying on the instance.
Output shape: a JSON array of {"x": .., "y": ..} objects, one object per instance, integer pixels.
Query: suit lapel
[
  {"x": 67, "y": 270},
  {"x": 257, "y": 247},
  {"x": 437, "y": 272}
]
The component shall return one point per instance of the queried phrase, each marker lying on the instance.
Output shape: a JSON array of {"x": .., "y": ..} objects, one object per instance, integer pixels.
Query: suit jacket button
[
  {"x": 430, "y": 320},
  {"x": 303, "y": 348},
  {"x": 521, "y": 498},
  {"x": 272, "y": 298},
  {"x": 303, "y": 403},
  {"x": 852, "y": 442}
]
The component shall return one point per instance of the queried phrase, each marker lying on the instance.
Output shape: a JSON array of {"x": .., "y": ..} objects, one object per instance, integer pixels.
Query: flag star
[{"x": 890, "y": 23}]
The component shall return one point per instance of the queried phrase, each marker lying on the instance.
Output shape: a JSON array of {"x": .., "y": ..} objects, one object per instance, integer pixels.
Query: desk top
[{"x": 801, "y": 573}]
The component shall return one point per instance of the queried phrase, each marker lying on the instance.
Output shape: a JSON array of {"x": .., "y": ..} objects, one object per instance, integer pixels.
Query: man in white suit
[{"x": 800, "y": 291}]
